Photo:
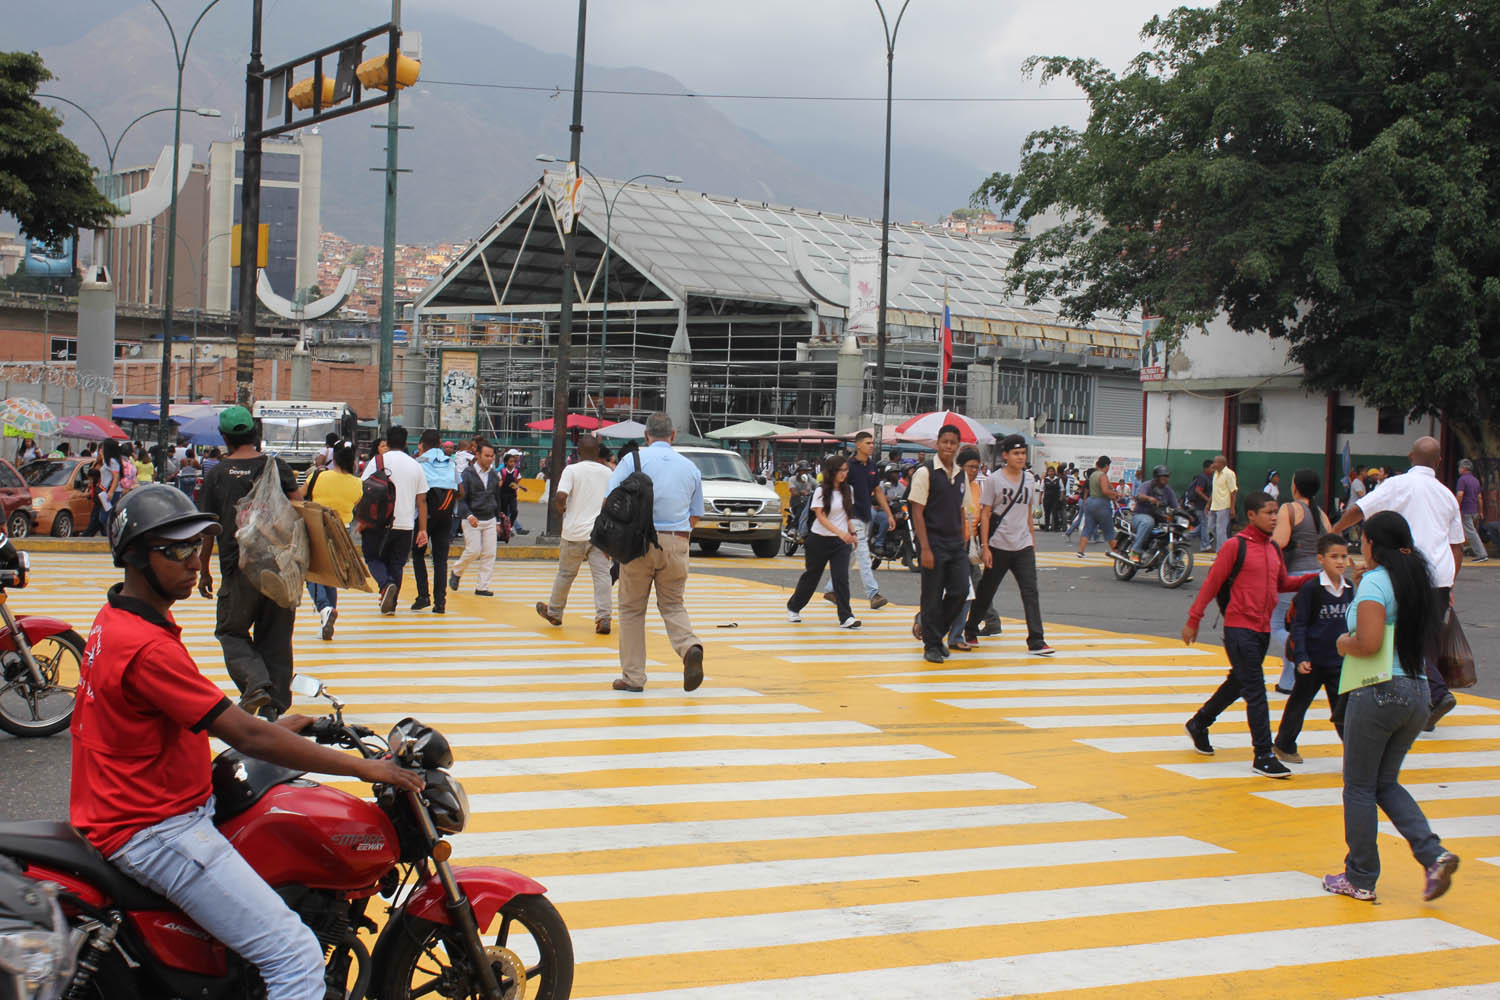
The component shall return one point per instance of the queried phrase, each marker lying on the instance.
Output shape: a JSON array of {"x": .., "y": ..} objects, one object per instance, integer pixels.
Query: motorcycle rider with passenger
[
  {"x": 1151, "y": 501},
  {"x": 141, "y": 789}
]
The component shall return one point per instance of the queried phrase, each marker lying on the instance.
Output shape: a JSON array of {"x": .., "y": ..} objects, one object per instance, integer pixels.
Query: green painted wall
[{"x": 1252, "y": 466}]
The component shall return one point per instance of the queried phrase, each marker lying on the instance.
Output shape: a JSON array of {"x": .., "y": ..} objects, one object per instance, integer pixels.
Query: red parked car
[{"x": 15, "y": 499}]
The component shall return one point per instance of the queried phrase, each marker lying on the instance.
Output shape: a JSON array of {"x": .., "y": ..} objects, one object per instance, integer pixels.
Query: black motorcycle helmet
[
  {"x": 158, "y": 510},
  {"x": 1159, "y": 471}
]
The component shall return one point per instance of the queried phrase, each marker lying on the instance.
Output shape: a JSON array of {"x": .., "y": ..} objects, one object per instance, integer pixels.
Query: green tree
[
  {"x": 45, "y": 181},
  {"x": 1325, "y": 171}
]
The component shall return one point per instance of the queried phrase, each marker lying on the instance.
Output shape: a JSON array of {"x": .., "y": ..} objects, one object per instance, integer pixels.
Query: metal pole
[
  {"x": 244, "y": 348},
  {"x": 565, "y": 309},
  {"x": 885, "y": 222},
  {"x": 388, "y": 264}
]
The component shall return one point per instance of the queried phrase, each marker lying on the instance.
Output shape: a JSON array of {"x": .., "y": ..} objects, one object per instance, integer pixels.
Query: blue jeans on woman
[
  {"x": 1381, "y": 722},
  {"x": 1098, "y": 518},
  {"x": 323, "y": 596}
]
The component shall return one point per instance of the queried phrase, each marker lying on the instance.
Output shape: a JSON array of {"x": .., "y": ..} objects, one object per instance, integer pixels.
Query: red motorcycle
[
  {"x": 40, "y": 660},
  {"x": 327, "y": 853}
]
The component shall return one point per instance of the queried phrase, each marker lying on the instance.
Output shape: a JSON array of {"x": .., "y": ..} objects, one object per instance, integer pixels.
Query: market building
[{"x": 718, "y": 293}]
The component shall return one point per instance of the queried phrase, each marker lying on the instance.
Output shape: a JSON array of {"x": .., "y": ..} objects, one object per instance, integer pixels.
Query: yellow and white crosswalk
[{"x": 830, "y": 817}]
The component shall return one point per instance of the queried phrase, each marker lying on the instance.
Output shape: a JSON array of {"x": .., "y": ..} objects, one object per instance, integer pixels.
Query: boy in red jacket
[{"x": 1247, "y": 630}]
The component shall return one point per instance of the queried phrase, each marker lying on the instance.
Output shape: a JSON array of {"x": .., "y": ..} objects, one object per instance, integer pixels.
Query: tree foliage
[
  {"x": 1324, "y": 170},
  {"x": 45, "y": 181}
]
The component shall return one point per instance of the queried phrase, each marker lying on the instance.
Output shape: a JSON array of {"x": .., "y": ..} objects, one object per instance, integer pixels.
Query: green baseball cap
[{"x": 236, "y": 420}]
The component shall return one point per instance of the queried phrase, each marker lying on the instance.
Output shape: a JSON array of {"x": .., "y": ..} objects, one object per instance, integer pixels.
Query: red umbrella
[
  {"x": 92, "y": 428},
  {"x": 576, "y": 422}
]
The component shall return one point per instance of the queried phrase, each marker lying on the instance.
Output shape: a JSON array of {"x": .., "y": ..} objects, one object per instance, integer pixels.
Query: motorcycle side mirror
[
  {"x": 307, "y": 686},
  {"x": 761, "y": 480}
]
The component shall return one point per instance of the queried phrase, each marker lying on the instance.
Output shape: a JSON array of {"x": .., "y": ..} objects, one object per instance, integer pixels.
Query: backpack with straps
[
  {"x": 377, "y": 504},
  {"x": 625, "y": 528},
  {"x": 1222, "y": 597}
]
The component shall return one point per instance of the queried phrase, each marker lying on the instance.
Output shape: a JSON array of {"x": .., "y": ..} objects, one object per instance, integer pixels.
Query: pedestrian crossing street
[{"x": 830, "y": 817}]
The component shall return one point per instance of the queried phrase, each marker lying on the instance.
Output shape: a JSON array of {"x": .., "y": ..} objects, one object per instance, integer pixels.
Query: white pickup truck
[{"x": 737, "y": 505}]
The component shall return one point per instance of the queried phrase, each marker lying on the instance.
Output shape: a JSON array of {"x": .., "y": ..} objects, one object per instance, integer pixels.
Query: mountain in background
[{"x": 471, "y": 149}]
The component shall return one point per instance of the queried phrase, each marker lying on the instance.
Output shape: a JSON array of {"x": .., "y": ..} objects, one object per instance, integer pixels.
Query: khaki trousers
[
  {"x": 572, "y": 555},
  {"x": 667, "y": 569}
]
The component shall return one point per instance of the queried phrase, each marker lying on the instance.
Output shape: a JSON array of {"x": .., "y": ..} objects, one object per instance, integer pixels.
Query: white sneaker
[
  {"x": 326, "y": 618},
  {"x": 793, "y": 617},
  {"x": 850, "y": 622}
]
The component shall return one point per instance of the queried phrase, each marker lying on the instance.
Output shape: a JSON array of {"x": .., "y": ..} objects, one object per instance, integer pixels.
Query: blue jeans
[
  {"x": 187, "y": 860},
  {"x": 1288, "y": 678},
  {"x": 880, "y": 525},
  {"x": 1098, "y": 518},
  {"x": 1380, "y": 724},
  {"x": 1142, "y": 523},
  {"x": 323, "y": 596},
  {"x": 1221, "y": 519}
]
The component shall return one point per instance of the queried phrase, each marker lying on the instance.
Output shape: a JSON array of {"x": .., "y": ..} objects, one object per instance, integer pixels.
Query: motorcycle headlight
[
  {"x": 37, "y": 963},
  {"x": 447, "y": 802},
  {"x": 415, "y": 743}
]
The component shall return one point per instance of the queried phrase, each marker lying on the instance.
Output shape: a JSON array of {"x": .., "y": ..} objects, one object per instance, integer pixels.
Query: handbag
[{"x": 1455, "y": 660}]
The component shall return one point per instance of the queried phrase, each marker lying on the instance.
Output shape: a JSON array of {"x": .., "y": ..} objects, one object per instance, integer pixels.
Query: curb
[{"x": 90, "y": 545}]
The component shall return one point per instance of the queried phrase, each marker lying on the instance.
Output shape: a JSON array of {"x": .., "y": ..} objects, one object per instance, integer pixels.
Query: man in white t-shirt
[
  {"x": 1437, "y": 531},
  {"x": 579, "y": 496},
  {"x": 1008, "y": 499},
  {"x": 386, "y": 550}
]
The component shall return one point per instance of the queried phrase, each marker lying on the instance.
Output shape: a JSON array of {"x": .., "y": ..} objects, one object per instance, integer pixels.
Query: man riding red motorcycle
[{"x": 141, "y": 786}]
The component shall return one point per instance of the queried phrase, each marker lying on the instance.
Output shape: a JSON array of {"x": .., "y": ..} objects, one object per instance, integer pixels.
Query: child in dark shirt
[{"x": 1317, "y": 616}]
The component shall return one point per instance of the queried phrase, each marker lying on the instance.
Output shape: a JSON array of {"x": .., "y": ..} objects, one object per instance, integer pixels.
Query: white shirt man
[
  {"x": 580, "y": 494},
  {"x": 1431, "y": 511},
  {"x": 386, "y": 550}
]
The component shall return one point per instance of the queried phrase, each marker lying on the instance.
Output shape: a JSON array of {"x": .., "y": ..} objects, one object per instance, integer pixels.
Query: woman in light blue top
[{"x": 1382, "y": 719}]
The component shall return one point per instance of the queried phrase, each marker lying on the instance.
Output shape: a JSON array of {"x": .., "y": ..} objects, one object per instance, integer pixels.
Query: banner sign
[
  {"x": 864, "y": 293},
  {"x": 458, "y": 402}
]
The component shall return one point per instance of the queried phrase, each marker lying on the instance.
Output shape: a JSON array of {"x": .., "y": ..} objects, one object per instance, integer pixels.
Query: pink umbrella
[
  {"x": 809, "y": 437},
  {"x": 576, "y": 422},
  {"x": 92, "y": 428},
  {"x": 924, "y": 428}
]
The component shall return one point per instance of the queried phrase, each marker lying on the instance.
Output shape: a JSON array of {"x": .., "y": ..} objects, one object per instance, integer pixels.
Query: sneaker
[
  {"x": 452, "y": 581},
  {"x": 1080, "y": 555},
  {"x": 794, "y": 617},
  {"x": 850, "y": 622},
  {"x": 987, "y": 629},
  {"x": 484, "y": 593},
  {"x": 1042, "y": 650},
  {"x": 971, "y": 637},
  {"x": 877, "y": 602},
  {"x": 254, "y": 700},
  {"x": 1341, "y": 886},
  {"x": 1440, "y": 876},
  {"x": 388, "y": 599},
  {"x": 1270, "y": 767},
  {"x": 601, "y": 627},
  {"x": 546, "y": 613},
  {"x": 328, "y": 616},
  {"x": 828, "y": 596},
  {"x": 421, "y": 604},
  {"x": 1199, "y": 736},
  {"x": 521, "y": 531},
  {"x": 1287, "y": 756},
  {"x": 692, "y": 668},
  {"x": 1442, "y": 708}
]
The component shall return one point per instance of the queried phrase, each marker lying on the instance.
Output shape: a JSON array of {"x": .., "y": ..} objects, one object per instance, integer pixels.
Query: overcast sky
[{"x": 945, "y": 48}]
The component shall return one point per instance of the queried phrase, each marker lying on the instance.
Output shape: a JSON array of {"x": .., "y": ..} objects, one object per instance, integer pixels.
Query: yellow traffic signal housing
[
  {"x": 301, "y": 93},
  {"x": 262, "y": 244},
  {"x": 372, "y": 73}
]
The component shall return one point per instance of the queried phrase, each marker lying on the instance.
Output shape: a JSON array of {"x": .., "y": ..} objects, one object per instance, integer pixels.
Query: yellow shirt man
[{"x": 1226, "y": 485}]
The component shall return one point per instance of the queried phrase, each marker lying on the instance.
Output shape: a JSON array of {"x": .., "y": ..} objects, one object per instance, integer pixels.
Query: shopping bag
[
  {"x": 273, "y": 544},
  {"x": 1455, "y": 658}
]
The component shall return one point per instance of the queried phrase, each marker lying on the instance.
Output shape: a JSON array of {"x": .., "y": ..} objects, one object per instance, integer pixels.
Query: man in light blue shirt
[{"x": 677, "y": 488}]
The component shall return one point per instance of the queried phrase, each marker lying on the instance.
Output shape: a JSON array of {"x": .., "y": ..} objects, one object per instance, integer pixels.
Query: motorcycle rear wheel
[
  {"x": 28, "y": 710},
  {"x": 429, "y": 959},
  {"x": 790, "y": 545},
  {"x": 1176, "y": 567},
  {"x": 1124, "y": 569}
]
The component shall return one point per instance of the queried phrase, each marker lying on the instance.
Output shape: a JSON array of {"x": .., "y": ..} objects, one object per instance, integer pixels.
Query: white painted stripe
[
  {"x": 1479, "y": 991},
  {"x": 351, "y": 683},
  {"x": 1077, "y": 701},
  {"x": 742, "y": 791},
  {"x": 1085, "y": 683},
  {"x": 1456, "y": 827},
  {"x": 858, "y": 868},
  {"x": 713, "y": 757},
  {"x": 1334, "y": 765},
  {"x": 772, "y": 930},
  {"x": 1096, "y": 968},
  {"x": 1112, "y": 721},
  {"x": 1319, "y": 738},
  {"x": 1063, "y": 666},
  {"x": 907, "y": 643},
  {"x": 1304, "y": 798},
  {"x": 436, "y": 654},
  {"x": 614, "y": 712},
  {"x": 1110, "y": 653},
  {"x": 671, "y": 731},
  {"x": 415, "y": 672},
  {"x": 525, "y": 697},
  {"x": 1491, "y": 861},
  {"x": 628, "y": 836}
]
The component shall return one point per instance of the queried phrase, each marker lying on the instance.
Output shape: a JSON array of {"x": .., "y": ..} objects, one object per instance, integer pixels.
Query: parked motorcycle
[
  {"x": 1168, "y": 549},
  {"x": 327, "y": 853},
  {"x": 37, "y": 947},
  {"x": 900, "y": 545},
  {"x": 40, "y": 660}
]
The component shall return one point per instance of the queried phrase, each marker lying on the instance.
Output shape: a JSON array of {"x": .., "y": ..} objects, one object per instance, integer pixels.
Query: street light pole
[
  {"x": 885, "y": 219},
  {"x": 180, "y": 54},
  {"x": 565, "y": 307},
  {"x": 388, "y": 259}
]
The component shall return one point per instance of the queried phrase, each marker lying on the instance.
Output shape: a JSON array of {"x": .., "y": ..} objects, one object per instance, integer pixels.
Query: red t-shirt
[{"x": 140, "y": 726}]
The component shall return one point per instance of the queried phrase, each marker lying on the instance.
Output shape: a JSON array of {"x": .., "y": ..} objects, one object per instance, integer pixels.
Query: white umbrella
[
  {"x": 924, "y": 428},
  {"x": 625, "y": 430}
]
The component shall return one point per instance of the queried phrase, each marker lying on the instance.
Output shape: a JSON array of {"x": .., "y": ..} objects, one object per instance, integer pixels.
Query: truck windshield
[
  {"x": 300, "y": 432},
  {"x": 721, "y": 466}
]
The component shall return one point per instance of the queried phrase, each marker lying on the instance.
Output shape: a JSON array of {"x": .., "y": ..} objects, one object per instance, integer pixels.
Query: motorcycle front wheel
[
  {"x": 1124, "y": 569},
  {"x": 428, "y": 959},
  {"x": 27, "y": 709},
  {"x": 1176, "y": 567},
  {"x": 789, "y": 545}
]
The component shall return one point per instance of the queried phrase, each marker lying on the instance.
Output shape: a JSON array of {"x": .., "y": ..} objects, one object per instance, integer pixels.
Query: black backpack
[
  {"x": 625, "y": 528},
  {"x": 1222, "y": 597},
  {"x": 377, "y": 504}
]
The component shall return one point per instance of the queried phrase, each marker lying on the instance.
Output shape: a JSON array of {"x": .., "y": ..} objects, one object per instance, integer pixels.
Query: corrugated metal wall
[{"x": 1117, "y": 406}]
